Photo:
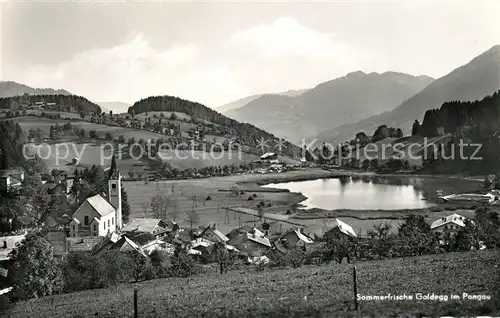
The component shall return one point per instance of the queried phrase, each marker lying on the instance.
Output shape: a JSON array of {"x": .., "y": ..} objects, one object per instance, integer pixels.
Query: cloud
[{"x": 270, "y": 57}]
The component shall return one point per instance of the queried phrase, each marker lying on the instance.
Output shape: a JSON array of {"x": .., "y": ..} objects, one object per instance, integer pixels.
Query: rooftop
[
  {"x": 141, "y": 225},
  {"x": 101, "y": 205},
  {"x": 453, "y": 218}
]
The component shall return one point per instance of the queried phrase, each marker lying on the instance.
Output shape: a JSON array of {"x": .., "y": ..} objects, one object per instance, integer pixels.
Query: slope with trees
[{"x": 247, "y": 133}]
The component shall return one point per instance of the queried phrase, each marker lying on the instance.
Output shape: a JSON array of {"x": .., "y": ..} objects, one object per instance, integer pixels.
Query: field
[
  {"x": 59, "y": 156},
  {"x": 185, "y": 159},
  {"x": 44, "y": 124},
  {"x": 192, "y": 194},
  {"x": 310, "y": 291}
]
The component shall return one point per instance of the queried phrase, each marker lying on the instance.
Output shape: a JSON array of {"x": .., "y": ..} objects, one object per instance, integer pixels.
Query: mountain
[
  {"x": 473, "y": 81},
  {"x": 330, "y": 104},
  {"x": 10, "y": 89},
  {"x": 245, "y": 100},
  {"x": 116, "y": 107}
]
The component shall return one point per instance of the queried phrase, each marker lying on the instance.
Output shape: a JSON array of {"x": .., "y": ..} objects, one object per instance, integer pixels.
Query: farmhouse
[
  {"x": 210, "y": 233},
  {"x": 156, "y": 227},
  {"x": 449, "y": 224},
  {"x": 340, "y": 228},
  {"x": 249, "y": 240},
  {"x": 117, "y": 243},
  {"x": 295, "y": 237},
  {"x": 7, "y": 244}
]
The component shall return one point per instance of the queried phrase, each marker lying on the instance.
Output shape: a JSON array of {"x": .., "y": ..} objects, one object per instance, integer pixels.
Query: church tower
[{"x": 115, "y": 193}]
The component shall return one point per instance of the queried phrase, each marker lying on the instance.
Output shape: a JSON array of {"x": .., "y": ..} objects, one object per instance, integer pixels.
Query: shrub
[
  {"x": 208, "y": 198},
  {"x": 182, "y": 265},
  {"x": 250, "y": 198},
  {"x": 254, "y": 195}
]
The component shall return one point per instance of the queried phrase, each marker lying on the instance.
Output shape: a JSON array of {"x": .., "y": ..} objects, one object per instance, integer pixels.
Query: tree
[
  {"x": 223, "y": 257},
  {"x": 125, "y": 206},
  {"x": 34, "y": 272},
  {"x": 380, "y": 133},
  {"x": 173, "y": 116},
  {"x": 416, "y": 237},
  {"x": 81, "y": 133},
  {"x": 192, "y": 217},
  {"x": 415, "y": 129},
  {"x": 93, "y": 134},
  {"x": 156, "y": 206},
  {"x": 108, "y": 136},
  {"x": 340, "y": 246},
  {"x": 82, "y": 115},
  {"x": 366, "y": 164}
]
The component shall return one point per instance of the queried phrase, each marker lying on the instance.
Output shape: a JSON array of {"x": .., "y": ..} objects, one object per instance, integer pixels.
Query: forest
[
  {"x": 475, "y": 124},
  {"x": 63, "y": 102}
]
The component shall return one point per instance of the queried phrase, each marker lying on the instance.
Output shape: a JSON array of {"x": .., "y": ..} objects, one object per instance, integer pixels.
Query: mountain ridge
[
  {"x": 471, "y": 81},
  {"x": 11, "y": 89},
  {"x": 331, "y": 103}
]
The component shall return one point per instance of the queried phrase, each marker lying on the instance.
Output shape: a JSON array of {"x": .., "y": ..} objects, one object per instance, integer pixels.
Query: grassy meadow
[{"x": 310, "y": 291}]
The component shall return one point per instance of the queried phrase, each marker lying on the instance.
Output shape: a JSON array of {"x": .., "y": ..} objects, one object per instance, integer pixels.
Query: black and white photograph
[{"x": 207, "y": 158}]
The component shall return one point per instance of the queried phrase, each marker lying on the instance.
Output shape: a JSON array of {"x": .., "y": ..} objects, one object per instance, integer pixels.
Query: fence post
[
  {"x": 355, "y": 288},
  {"x": 136, "y": 314}
]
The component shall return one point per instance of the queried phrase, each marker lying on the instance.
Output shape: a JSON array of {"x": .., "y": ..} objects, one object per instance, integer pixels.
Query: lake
[{"x": 359, "y": 193}]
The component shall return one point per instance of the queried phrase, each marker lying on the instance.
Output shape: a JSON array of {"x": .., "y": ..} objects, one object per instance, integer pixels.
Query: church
[{"x": 99, "y": 216}]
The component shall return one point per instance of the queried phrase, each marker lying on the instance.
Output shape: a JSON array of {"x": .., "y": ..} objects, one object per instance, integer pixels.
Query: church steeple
[{"x": 115, "y": 193}]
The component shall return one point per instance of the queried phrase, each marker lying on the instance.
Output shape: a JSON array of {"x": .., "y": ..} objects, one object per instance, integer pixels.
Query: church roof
[{"x": 101, "y": 205}]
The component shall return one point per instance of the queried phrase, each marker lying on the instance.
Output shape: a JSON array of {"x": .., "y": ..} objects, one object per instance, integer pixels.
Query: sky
[{"x": 214, "y": 52}]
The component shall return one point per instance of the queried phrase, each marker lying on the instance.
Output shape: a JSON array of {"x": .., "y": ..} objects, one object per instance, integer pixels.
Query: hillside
[
  {"x": 311, "y": 291},
  {"x": 343, "y": 100},
  {"x": 472, "y": 81},
  {"x": 247, "y": 133},
  {"x": 10, "y": 89},
  {"x": 245, "y": 100}
]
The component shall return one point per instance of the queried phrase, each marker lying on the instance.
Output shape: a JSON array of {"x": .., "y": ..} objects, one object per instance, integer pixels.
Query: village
[{"x": 262, "y": 238}]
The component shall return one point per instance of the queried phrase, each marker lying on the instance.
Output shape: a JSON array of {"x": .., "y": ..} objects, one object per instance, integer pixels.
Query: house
[
  {"x": 210, "y": 233},
  {"x": 11, "y": 179},
  {"x": 83, "y": 244},
  {"x": 340, "y": 228},
  {"x": 295, "y": 237},
  {"x": 157, "y": 227},
  {"x": 249, "y": 240},
  {"x": 449, "y": 224},
  {"x": 58, "y": 241},
  {"x": 97, "y": 216},
  {"x": 7, "y": 245},
  {"x": 58, "y": 223},
  {"x": 269, "y": 156},
  {"x": 117, "y": 243}
]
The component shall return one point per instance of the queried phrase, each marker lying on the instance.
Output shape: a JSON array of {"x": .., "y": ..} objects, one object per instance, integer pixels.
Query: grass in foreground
[{"x": 324, "y": 291}]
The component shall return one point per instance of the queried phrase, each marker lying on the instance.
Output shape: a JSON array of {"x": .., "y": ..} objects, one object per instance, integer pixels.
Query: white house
[
  {"x": 449, "y": 224},
  {"x": 340, "y": 228}
]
